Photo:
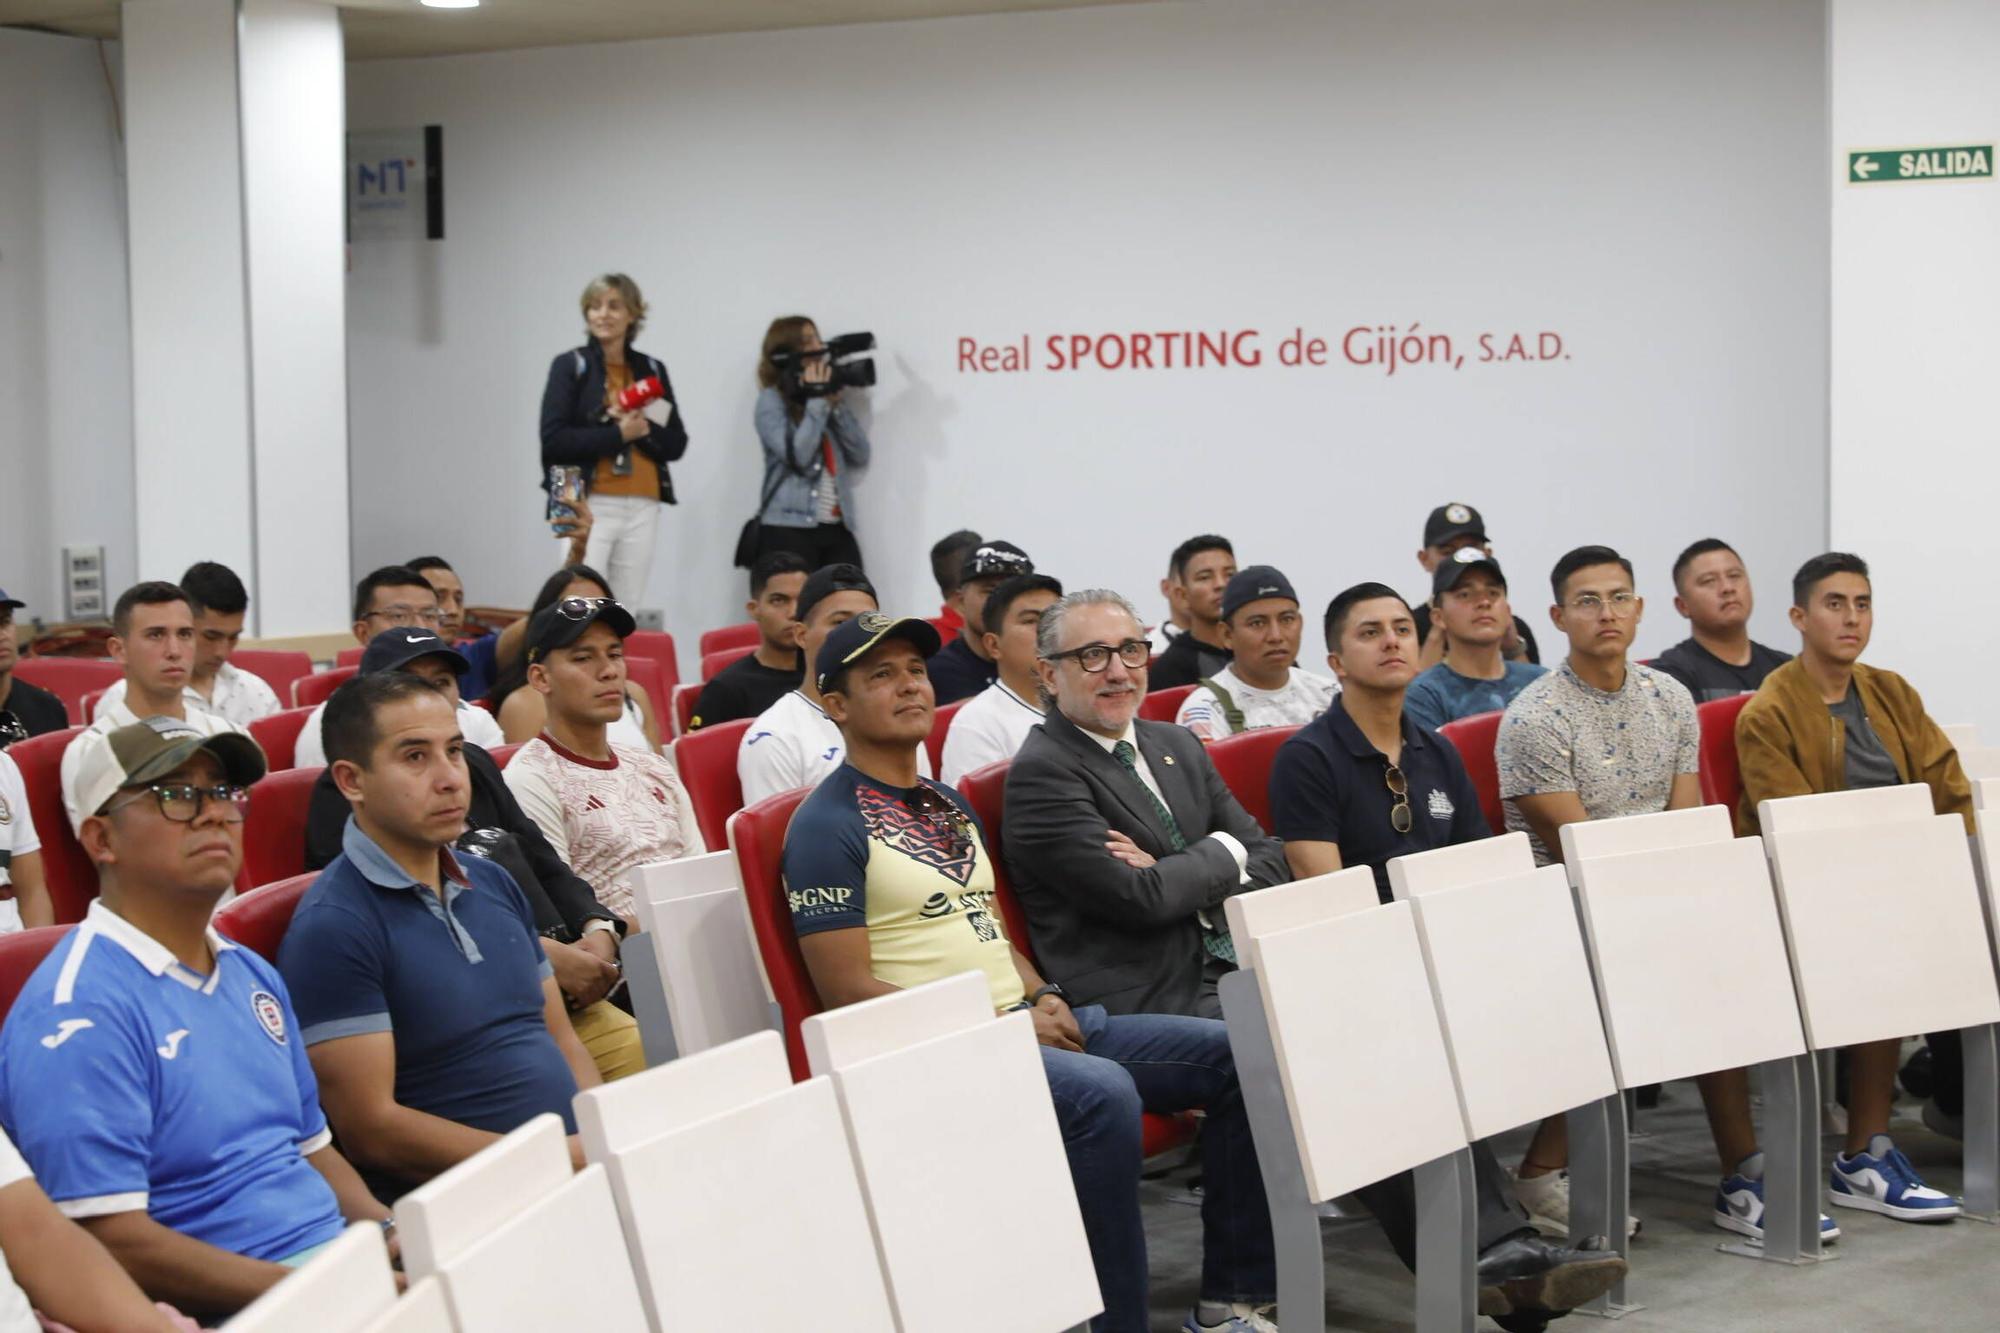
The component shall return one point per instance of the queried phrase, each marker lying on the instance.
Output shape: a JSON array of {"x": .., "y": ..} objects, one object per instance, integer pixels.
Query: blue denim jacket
[{"x": 791, "y": 504}]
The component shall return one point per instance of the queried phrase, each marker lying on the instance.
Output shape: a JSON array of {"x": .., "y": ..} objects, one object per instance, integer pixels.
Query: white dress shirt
[{"x": 237, "y": 695}]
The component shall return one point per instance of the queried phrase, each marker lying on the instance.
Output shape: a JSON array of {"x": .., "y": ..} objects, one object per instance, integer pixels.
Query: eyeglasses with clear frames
[
  {"x": 401, "y": 614},
  {"x": 181, "y": 802},
  {"x": 1622, "y": 603},
  {"x": 1096, "y": 657}
]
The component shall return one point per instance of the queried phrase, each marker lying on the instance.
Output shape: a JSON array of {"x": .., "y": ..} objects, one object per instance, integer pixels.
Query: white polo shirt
[
  {"x": 17, "y": 838},
  {"x": 110, "y": 717},
  {"x": 475, "y": 723},
  {"x": 240, "y": 696},
  {"x": 793, "y": 743},
  {"x": 988, "y": 727}
]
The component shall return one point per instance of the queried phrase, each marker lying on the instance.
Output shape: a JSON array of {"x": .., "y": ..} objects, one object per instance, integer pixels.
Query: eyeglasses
[
  {"x": 582, "y": 608},
  {"x": 1096, "y": 657},
  {"x": 1400, "y": 818},
  {"x": 406, "y": 615},
  {"x": 942, "y": 815},
  {"x": 182, "y": 802},
  {"x": 1622, "y": 603}
]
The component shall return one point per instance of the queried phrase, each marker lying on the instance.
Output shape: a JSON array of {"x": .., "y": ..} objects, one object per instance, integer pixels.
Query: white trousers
[{"x": 621, "y": 543}]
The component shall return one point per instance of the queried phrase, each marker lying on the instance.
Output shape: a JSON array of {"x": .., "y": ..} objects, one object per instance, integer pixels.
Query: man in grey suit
[{"x": 1120, "y": 835}]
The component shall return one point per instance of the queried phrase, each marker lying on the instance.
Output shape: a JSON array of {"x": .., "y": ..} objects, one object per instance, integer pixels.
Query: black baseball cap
[
  {"x": 1254, "y": 584},
  {"x": 851, "y": 639},
  {"x": 562, "y": 624},
  {"x": 994, "y": 560},
  {"x": 1453, "y": 520},
  {"x": 1460, "y": 563},
  {"x": 9, "y": 603},
  {"x": 827, "y": 580},
  {"x": 393, "y": 649}
]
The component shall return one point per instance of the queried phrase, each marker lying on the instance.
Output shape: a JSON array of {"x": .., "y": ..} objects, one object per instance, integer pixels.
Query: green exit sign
[{"x": 1920, "y": 164}]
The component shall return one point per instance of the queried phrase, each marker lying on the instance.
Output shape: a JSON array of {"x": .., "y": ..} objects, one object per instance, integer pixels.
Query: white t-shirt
[
  {"x": 1298, "y": 701},
  {"x": 109, "y": 719},
  {"x": 17, "y": 838},
  {"x": 793, "y": 743},
  {"x": 240, "y": 696},
  {"x": 475, "y": 723},
  {"x": 987, "y": 728},
  {"x": 16, "y": 1316}
]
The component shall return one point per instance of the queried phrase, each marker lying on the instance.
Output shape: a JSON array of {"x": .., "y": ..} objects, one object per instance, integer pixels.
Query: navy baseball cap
[
  {"x": 994, "y": 560},
  {"x": 852, "y": 639},
  {"x": 827, "y": 580},
  {"x": 1460, "y": 563},
  {"x": 1254, "y": 585},
  {"x": 9, "y": 603},
  {"x": 1453, "y": 520},
  {"x": 393, "y": 649},
  {"x": 562, "y": 624}
]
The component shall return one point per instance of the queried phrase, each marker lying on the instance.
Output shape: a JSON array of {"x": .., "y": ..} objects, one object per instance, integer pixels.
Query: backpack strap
[{"x": 1230, "y": 712}]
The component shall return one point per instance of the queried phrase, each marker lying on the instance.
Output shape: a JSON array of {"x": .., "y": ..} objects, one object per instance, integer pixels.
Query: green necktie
[{"x": 1213, "y": 938}]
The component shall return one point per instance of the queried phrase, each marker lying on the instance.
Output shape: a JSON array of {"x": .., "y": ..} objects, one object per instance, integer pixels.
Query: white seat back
[
  {"x": 449, "y": 1214},
  {"x": 1692, "y": 972},
  {"x": 1979, "y": 761},
  {"x": 1645, "y": 833},
  {"x": 1299, "y": 903},
  {"x": 706, "y": 949},
  {"x": 1477, "y": 862},
  {"x": 1524, "y": 1042},
  {"x": 1986, "y": 817},
  {"x": 1845, "y": 809},
  {"x": 1887, "y": 930},
  {"x": 423, "y": 1309},
  {"x": 558, "y": 1261},
  {"x": 663, "y": 881},
  {"x": 340, "y": 1290},
  {"x": 963, "y": 1168},
  {"x": 862, "y": 1031},
  {"x": 612, "y": 1118},
  {"x": 1349, "y": 1006}
]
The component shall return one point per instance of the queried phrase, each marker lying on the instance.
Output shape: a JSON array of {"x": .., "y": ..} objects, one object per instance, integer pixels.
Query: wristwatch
[{"x": 1049, "y": 988}]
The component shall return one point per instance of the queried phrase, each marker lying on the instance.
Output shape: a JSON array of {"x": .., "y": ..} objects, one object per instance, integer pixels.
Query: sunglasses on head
[{"x": 582, "y": 608}]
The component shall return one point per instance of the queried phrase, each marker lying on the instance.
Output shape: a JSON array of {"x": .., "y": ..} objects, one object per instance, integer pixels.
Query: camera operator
[
  {"x": 812, "y": 440},
  {"x": 609, "y": 413}
]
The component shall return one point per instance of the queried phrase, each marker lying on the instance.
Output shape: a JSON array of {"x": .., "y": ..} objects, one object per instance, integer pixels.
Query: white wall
[
  {"x": 1644, "y": 179},
  {"x": 1916, "y": 339},
  {"x": 65, "y": 361}
]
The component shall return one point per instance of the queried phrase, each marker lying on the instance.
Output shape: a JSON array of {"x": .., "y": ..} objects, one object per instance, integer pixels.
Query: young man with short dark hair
[
  {"x": 1718, "y": 659},
  {"x": 1826, "y": 721},
  {"x": 1451, "y": 528},
  {"x": 152, "y": 637},
  {"x": 964, "y": 667},
  {"x": 1469, "y": 598},
  {"x": 25, "y": 710},
  {"x": 27, "y": 896},
  {"x": 994, "y": 722},
  {"x": 1263, "y": 685},
  {"x": 431, "y": 1014},
  {"x": 947, "y": 558},
  {"x": 1201, "y": 569},
  {"x": 153, "y": 1073},
  {"x": 219, "y": 602},
  {"x": 480, "y": 654},
  {"x": 749, "y": 685}
]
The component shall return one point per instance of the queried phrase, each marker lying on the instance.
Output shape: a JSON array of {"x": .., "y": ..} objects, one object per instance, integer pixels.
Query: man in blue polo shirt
[
  {"x": 432, "y": 1017},
  {"x": 152, "y": 1073}
]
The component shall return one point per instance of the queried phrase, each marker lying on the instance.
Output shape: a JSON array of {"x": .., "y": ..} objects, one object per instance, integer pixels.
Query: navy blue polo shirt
[
  {"x": 1330, "y": 784},
  {"x": 458, "y": 981}
]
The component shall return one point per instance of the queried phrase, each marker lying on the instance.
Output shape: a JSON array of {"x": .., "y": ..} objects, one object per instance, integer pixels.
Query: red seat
[
  {"x": 658, "y": 645},
  {"x": 312, "y": 691},
  {"x": 258, "y": 919},
  {"x": 707, "y": 762},
  {"x": 1244, "y": 761},
  {"x": 1161, "y": 705},
  {"x": 21, "y": 952},
  {"x": 274, "y": 668},
  {"x": 87, "y": 706},
  {"x": 71, "y": 876},
  {"x": 70, "y": 678},
  {"x": 745, "y": 635},
  {"x": 1721, "y": 780},
  {"x": 712, "y": 663},
  {"x": 348, "y": 657},
  {"x": 757, "y": 837},
  {"x": 501, "y": 754},
  {"x": 687, "y": 698},
  {"x": 941, "y": 724},
  {"x": 656, "y": 678},
  {"x": 1473, "y": 738},
  {"x": 279, "y": 735},
  {"x": 274, "y": 831}
]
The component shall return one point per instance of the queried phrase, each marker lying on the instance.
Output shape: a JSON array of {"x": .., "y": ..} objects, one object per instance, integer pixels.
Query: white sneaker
[
  {"x": 1546, "y": 1197},
  {"x": 1242, "y": 1318}
]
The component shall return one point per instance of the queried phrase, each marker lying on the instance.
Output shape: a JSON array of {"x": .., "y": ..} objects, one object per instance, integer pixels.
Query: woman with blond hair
[
  {"x": 812, "y": 442},
  {"x": 618, "y": 455}
]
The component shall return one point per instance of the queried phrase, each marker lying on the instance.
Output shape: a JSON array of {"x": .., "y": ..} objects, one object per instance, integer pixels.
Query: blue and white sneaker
[
  {"x": 1739, "y": 1203},
  {"x": 1242, "y": 1318},
  {"x": 1881, "y": 1180}
]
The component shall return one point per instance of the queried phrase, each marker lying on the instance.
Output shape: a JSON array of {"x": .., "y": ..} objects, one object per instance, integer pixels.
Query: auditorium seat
[
  {"x": 744, "y": 635},
  {"x": 258, "y": 920},
  {"x": 1244, "y": 761},
  {"x": 21, "y": 952},
  {"x": 1161, "y": 705},
  {"x": 1473, "y": 737},
  {"x": 712, "y": 663},
  {"x": 687, "y": 698},
  {"x": 274, "y": 830},
  {"x": 342, "y": 1289},
  {"x": 87, "y": 706},
  {"x": 70, "y": 678},
  {"x": 1721, "y": 782},
  {"x": 707, "y": 763},
  {"x": 312, "y": 691},
  {"x": 656, "y": 678},
  {"x": 72, "y": 879},
  {"x": 941, "y": 724},
  {"x": 348, "y": 657},
  {"x": 274, "y": 668},
  {"x": 279, "y": 735},
  {"x": 659, "y": 646},
  {"x": 503, "y": 754},
  {"x": 757, "y": 837}
]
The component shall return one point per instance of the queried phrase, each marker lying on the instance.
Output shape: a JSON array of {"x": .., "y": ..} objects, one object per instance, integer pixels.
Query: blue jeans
[{"x": 1164, "y": 1063}]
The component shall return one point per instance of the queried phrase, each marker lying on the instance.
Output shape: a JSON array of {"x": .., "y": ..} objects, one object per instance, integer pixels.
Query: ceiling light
[{"x": 451, "y": 4}]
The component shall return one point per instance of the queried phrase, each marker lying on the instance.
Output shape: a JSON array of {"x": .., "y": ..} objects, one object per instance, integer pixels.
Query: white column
[
  {"x": 235, "y": 161},
  {"x": 1914, "y": 471}
]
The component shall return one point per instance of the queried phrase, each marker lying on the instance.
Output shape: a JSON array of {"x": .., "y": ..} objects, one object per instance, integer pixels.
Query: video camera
[{"x": 850, "y": 355}]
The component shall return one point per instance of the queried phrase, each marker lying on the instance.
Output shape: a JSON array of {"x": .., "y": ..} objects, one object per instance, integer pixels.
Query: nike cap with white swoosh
[{"x": 394, "y": 649}]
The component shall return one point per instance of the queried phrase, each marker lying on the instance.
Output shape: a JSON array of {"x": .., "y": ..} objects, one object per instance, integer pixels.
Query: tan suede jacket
[{"x": 1788, "y": 744}]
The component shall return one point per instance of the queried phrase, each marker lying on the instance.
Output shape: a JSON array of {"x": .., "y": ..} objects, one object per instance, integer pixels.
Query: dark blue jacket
[{"x": 577, "y": 431}]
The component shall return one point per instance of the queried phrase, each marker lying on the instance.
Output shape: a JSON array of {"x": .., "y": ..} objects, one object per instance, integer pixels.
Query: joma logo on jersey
[{"x": 807, "y": 900}]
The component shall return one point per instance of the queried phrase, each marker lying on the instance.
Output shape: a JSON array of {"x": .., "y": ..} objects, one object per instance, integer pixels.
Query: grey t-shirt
[{"x": 1867, "y": 759}]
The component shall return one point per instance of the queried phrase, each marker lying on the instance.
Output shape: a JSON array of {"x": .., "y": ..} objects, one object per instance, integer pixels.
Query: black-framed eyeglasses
[
  {"x": 1400, "y": 818},
  {"x": 407, "y": 615},
  {"x": 582, "y": 608},
  {"x": 1096, "y": 657},
  {"x": 942, "y": 815},
  {"x": 181, "y": 802}
]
